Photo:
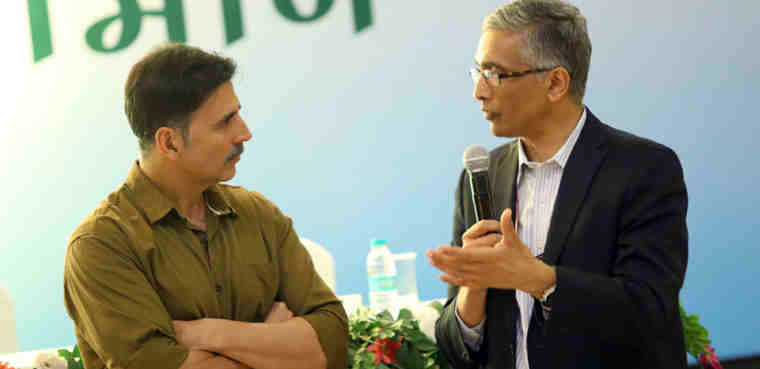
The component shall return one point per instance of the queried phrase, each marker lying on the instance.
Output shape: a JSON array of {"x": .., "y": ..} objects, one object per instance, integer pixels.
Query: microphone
[{"x": 475, "y": 159}]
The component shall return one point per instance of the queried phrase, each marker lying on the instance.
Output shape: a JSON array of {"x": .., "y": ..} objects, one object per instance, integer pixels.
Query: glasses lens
[
  {"x": 475, "y": 75},
  {"x": 491, "y": 77}
]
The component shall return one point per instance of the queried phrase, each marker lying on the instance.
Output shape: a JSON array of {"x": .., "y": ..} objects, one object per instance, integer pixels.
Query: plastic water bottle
[{"x": 381, "y": 271}]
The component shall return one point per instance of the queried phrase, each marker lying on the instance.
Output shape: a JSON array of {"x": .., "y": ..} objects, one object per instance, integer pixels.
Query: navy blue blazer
[{"x": 618, "y": 240}]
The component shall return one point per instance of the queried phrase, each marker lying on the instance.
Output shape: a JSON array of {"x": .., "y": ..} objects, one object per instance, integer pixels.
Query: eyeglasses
[{"x": 494, "y": 78}]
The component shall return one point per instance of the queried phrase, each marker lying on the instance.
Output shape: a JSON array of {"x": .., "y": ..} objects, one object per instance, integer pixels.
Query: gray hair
[{"x": 553, "y": 34}]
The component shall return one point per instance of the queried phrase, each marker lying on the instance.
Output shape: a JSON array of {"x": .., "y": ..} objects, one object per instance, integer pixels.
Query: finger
[
  {"x": 446, "y": 257},
  {"x": 450, "y": 279},
  {"x": 462, "y": 262},
  {"x": 477, "y": 258},
  {"x": 507, "y": 227},
  {"x": 434, "y": 258},
  {"x": 439, "y": 259},
  {"x": 481, "y": 228},
  {"x": 444, "y": 252},
  {"x": 489, "y": 240},
  {"x": 460, "y": 281},
  {"x": 179, "y": 329},
  {"x": 277, "y": 307},
  {"x": 278, "y": 314}
]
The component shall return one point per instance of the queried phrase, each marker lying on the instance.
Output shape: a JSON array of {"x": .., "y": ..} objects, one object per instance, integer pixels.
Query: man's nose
[
  {"x": 481, "y": 90},
  {"x": 245, "y": 134}
]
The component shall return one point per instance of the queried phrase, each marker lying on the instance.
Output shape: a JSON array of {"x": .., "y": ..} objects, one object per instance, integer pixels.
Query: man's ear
[
  {"x": 168, "y": 141},
  {"x": 559, "y": 83}
]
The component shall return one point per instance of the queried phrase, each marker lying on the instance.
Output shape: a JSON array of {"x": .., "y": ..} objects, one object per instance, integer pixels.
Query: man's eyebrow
[{"x": 488, "y": 65}]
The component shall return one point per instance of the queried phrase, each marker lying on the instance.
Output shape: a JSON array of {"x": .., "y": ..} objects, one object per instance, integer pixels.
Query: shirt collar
[
  {"x": 156, "y": 205},
  {"x": 561, "y": 156}
]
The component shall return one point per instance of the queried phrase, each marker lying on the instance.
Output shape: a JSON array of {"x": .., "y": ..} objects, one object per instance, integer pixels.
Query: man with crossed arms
[{"x": 175, "y": 269}]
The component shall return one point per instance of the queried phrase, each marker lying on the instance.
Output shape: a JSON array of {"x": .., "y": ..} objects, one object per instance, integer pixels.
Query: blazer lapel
[
  {"x": 580, "y": 169},
  {"x": 503, "y": 170},
  {"x": 501, "y": 306}
]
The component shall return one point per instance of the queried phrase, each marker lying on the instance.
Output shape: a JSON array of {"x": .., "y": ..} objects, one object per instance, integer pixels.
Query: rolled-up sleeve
[{"x": 119, "y": 318}]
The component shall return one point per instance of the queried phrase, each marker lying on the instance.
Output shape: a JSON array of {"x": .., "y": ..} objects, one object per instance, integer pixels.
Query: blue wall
[{"x": 359, "y": 134}]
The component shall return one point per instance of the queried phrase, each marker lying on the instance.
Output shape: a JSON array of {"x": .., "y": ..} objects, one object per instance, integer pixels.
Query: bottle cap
[{"x": 377, "y": 242}]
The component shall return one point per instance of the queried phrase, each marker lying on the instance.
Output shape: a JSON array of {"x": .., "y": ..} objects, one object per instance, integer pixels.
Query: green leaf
[
  {"x": 437, "y": 306},
  {"x": 385, "y": 315},
  {"x": 424, "y": 346},
  {"x": 65, "y": 354},
  {"x": 429, "y": 363},
  {"x": 405, "y": 314},
  {"x": 377, "y": 331},
  {"x": 409, "y": 358}
]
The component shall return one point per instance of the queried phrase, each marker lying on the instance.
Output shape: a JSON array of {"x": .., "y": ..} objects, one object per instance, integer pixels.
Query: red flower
[
  {"x": 5, "y": 366},
  {"x": 710, "y": 359},
  {"x": 385, "y": 350}
]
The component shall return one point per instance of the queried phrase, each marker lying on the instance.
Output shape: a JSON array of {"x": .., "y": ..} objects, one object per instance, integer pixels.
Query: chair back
[
  {"x": 8, "y": 338},
  {"x": 323, "y": 261}
]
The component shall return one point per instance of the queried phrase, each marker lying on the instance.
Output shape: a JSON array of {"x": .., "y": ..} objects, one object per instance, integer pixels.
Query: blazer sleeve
[
  {"x": 636, "y": 304},
  {"x": 447, "y": 331}
]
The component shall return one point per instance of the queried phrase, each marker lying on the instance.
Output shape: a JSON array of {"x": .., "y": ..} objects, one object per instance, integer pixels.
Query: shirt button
[{"x": 219, "y": 288}]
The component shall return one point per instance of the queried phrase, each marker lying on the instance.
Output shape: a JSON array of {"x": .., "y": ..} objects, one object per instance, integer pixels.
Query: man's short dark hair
[{"x": 168, "y": 85}]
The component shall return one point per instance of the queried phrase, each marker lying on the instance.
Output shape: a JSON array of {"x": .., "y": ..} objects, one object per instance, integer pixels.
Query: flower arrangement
[{"x": 379, "y": 341}]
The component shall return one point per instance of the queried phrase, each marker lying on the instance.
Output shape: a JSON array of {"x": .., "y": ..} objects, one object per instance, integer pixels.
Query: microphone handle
[{"x": 481, "y": 195}]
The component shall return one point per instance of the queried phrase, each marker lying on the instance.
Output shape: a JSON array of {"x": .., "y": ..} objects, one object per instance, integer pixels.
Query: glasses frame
[{"x": 494, "y": 78}]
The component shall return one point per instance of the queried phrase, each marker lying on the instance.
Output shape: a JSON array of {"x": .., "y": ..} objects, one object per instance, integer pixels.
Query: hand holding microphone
[
  {"x": 475, "y": 159},
  {"x": 486, "y": 232}
]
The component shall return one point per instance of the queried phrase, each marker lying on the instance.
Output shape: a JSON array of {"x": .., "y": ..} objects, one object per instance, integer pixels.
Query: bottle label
[{"x": 382, "y": 283}]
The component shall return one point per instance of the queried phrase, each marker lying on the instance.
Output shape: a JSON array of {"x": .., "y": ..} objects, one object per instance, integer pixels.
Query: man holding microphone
[{"x": 584, "y": 266}]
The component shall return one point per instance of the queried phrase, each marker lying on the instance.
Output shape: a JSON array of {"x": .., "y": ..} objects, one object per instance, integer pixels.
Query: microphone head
[{"x": 475, "y": 158}]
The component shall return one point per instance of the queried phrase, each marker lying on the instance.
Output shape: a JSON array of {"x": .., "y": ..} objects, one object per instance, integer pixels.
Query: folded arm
[
  {"x": 310, "y": 331},
  {"x": 199, "y": 359},
  {"x": 120, "y": 320},
  {"x": 289, "y": 344}
]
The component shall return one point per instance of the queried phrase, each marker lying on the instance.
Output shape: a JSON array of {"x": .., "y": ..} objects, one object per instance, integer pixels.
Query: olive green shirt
[{"x": 135, "y": 264}]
